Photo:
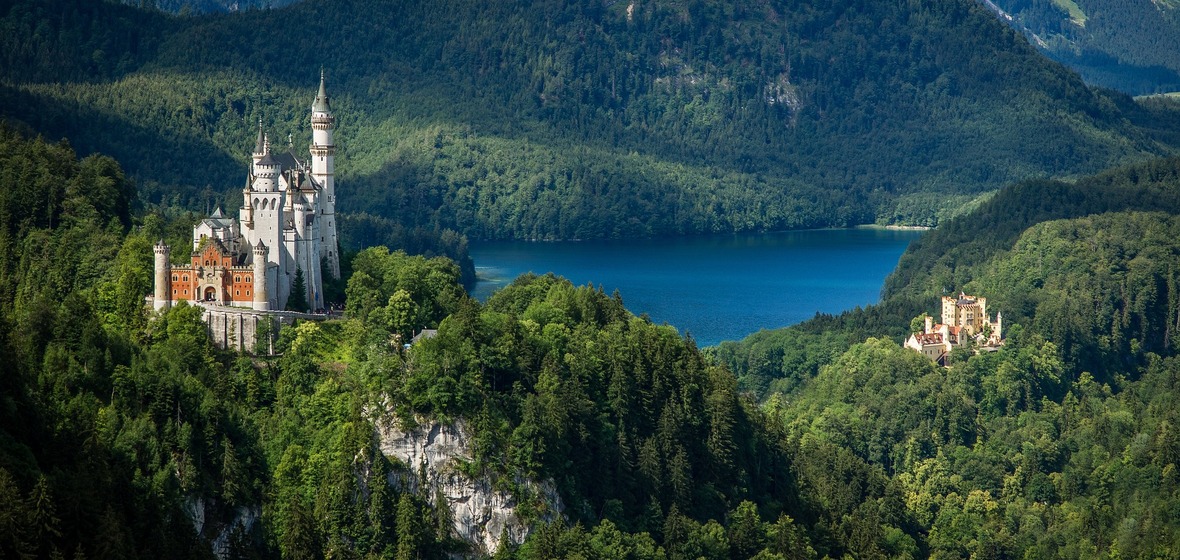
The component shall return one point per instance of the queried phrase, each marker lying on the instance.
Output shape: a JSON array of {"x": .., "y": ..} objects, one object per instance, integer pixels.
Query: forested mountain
[
  {"x": 1129, "y": 45},
  {"x": 1062, "y": 443},
  {"x": 129, "y": 436},
  {"x": 124, "y": 435},
  {"x": 560, "y": 120},
  {"x": 206, "y": 6}
]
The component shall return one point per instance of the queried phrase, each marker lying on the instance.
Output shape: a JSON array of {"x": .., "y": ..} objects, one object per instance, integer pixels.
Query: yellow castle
[{"x": 964, "y": 318}]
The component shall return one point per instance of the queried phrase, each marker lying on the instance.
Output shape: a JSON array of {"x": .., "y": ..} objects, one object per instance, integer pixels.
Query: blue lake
[{"x": 714, "y": 287}]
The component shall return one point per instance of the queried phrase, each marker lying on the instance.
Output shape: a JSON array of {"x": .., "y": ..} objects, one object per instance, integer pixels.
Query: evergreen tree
[{"x": 297, "y": 301}]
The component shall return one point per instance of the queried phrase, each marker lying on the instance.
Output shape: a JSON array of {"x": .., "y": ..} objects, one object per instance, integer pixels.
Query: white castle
[{"x": 285, "y": 228}]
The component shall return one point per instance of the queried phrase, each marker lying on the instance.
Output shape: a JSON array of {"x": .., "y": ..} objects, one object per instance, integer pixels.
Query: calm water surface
[{"x": 714, "y": 287}]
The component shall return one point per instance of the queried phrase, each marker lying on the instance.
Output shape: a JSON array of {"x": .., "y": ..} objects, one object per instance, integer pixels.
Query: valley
[{"x": 555, "y": 417}]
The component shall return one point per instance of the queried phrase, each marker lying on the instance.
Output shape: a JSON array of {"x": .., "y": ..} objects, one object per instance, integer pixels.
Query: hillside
[
  {"x": 124, "y": 435},
  {"x": 1059, "y": 445},
  {"x": 548, "y": 120},
  {"x": 1129, "y": 45}
]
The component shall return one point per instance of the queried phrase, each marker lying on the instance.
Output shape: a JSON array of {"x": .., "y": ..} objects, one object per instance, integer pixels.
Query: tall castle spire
[
  {"x": 260, "y": 143},
  {"x": 323, "y": 171},
  {"x": 321, "y": 104}
]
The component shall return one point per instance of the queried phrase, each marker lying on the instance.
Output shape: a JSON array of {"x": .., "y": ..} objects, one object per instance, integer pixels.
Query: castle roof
[
  {"x": 928, "y": 339},
  {"x": 287, "y": 160},
  {"x": 321, "y": 104},
  {"x": 218, "y": 220},
  {"x": 268, "y": 160},
  {"x": 260, "y": 144}
]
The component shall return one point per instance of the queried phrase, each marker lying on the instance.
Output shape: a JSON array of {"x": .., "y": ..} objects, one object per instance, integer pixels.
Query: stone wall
[{"x": 239, "y": 329}]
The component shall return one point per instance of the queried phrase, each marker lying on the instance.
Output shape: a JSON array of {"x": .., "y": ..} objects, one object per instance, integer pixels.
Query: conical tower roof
[
  {"x": 321, "y": 104},
  {"x": 260, "y": 144}
]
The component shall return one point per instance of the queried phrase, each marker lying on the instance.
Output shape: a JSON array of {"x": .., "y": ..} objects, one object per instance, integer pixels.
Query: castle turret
[
  {"x": 323, "y": 170},
  {"x": 261, "y": 293},
  {"x": 260, "y": 143},
  {"x": 247, "y": 211},
  {"x": 162, "y": 295},
  {"x": 266, "y": 170}
]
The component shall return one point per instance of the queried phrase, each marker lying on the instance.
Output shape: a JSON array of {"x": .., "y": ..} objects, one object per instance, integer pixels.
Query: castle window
[
  {"x": 186, "y": 292},
  {"x": 247, "y": 293},
  {"x": 237, "y": 279},
  {"x": 237, "y": 292},
  {"x": 186, "y": 278},
  {"x": 175, "y": 278}
]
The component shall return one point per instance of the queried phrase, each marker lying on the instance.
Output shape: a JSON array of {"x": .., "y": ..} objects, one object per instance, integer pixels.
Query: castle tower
[
  {"x": 266, "y": 170},
  {"x": 261, "y": 293},
  {"x": 162, "y": 296},
  {"x": 260, "y": 143},
  {"x": 323, "y": 170}
]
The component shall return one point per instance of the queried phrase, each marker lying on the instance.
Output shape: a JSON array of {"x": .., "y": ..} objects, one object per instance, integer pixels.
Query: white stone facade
[{"x": 287, "y": 220}]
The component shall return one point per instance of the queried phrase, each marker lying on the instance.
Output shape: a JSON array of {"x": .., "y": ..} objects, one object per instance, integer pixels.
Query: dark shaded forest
[
  {"x": 551, "y": 120},
  {"x": 1131, "y": 46}
]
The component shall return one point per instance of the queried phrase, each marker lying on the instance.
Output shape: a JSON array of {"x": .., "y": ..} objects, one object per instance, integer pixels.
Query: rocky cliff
[{"x": 431, "y": 454}]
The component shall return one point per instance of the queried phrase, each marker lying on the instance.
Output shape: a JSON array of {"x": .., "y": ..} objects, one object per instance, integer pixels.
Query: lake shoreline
[
  {"x": 716, "y": 287},
  {"x": 892, "y": 227},
  {"x": 880, "y": 227}
]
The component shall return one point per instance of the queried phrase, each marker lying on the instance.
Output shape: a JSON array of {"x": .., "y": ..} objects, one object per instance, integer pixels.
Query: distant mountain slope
[
  {"x": 207, "y": 6},
  {"x": 548, "y": 120},
  {"x": 1129, "y": 45}
]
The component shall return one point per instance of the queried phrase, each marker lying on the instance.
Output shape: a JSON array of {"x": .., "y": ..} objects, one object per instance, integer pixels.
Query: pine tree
[
  {"x": 297, "y": 301},
  {"x": 409, "y": 529}
]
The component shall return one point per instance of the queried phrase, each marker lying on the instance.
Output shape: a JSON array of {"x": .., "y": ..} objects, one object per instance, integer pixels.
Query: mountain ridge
[{"x": 683, "y": 117}]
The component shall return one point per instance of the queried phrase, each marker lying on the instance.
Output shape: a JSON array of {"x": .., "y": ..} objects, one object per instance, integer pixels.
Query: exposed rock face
[
  {"x": 219, "y": 536},
  {"x": 481, "y": 513}
]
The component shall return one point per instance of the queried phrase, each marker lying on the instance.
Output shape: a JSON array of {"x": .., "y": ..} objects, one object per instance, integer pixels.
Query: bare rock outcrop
[{"x": 432, "y": 454}]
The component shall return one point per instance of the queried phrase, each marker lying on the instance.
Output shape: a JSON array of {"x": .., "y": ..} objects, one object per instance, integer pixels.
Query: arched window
[
  {"x": 255, "y": 202},
  {"x": 186, "y": 278},
  {"x": 175, "y": 278},
  {"x": 237, "y": 279}
]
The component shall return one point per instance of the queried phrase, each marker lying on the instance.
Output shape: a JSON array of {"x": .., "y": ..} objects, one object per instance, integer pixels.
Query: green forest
[
  {"x": 127, "y": 434},
  {"x": 1060, "y": 444},
  {"x": 554, "y": 120},
  {"x": 823, "y": 440}
]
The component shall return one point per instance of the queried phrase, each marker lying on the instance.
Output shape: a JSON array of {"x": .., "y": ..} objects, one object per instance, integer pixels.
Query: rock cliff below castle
[{"x": 482, "y": 514}]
